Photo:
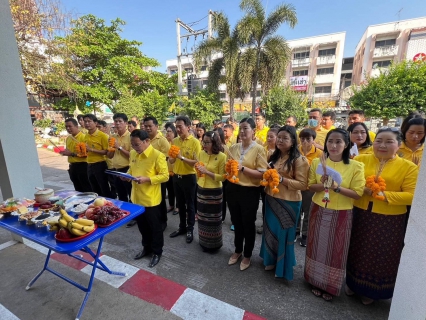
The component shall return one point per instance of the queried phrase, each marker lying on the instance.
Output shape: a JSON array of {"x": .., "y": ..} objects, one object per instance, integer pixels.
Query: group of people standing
[{"x": 353, "y": 187}]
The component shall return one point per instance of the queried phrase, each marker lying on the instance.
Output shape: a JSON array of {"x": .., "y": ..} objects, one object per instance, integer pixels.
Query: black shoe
[
  {"x": 154, "y": 260},
  {"x": 303, "y": 241},
  {"x": 175, "y": 212},
  {"x": 142, "y": 254},
  {"x": 177, "y": 233},
  {"x": 131, "y": 223},
  {"x": 189, "y": 237}
]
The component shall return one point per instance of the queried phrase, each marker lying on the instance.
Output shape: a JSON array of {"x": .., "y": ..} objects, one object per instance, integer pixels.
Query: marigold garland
[
  {"x": 377, "y": 185},
  {"x": 111, "y": 144},
  {"x": 174, "y": 151},
  {"x": 231, "y": 169},
  {"x": 171, "y": 173},
  {"x": 199, "y": 174},
  {"x": 271, "y": 178},
  {"x": 81, "y": 150}
]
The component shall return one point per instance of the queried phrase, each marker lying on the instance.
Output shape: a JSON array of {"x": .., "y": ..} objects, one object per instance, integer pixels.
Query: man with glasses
[{"x": 194, "y": 125}]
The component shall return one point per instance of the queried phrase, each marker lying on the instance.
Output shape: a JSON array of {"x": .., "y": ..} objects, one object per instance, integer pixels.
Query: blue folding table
[{"x": 46, "y": 239}]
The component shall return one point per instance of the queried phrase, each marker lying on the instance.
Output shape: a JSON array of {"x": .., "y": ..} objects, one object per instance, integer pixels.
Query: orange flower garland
[
  {"x": 171, "y": 173},
  {"x": 174, "y": 151},
  {"x": 231, "y": 169},
  {"x": 377, "y": 185},
  {"x": 271, "y": 178},
  {"x": 111, "y": 144},
  {"x": 81, "y": 150},
  {"x": 199, "y": 174}
]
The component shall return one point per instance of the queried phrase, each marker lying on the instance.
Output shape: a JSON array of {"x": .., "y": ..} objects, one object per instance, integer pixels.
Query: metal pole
[
  {"x": 210, "y": 32},
  {"x": 179, "y": 53}
]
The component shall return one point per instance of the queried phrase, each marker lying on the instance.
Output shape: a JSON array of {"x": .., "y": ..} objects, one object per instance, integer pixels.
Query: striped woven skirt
[
  {"x": 209, "y": 210},
  {"x": 374, "y": 254},
  {"x": 327, "y": 248}
]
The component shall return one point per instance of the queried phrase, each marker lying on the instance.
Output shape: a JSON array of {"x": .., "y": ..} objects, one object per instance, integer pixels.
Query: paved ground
[{"x": 254, "y": 290}]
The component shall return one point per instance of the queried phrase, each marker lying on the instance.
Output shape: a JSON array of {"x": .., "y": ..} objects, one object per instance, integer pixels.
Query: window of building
[
  {"x": 321, "y": 71},
  {"x": 223, "y": 95},
  {"x": 385, "y": 43},
  {"x": 301, "y": 55},
  {"x": 348, "y": 83},
  {"x": 203, "y": 68},
  {"x": 190, "y": 70},
  {"x": 381, "y": 64},
  {"x": 173, "y": 71},
  {"x": 300, "y": 73},
  {"x": 205, "y": 82},
  {"x": 326, "y": 52},
  {"x": 324, "y": 89}
]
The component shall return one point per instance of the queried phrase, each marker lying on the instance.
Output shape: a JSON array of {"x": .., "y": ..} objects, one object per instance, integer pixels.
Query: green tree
[
  {"x": 266, "y": 56},
  {"x": 282, "y": 102},
  {"x": 224, "y": 50},
  {"x": 204, "y": 106},
  {"x": 394, "y": 93}
]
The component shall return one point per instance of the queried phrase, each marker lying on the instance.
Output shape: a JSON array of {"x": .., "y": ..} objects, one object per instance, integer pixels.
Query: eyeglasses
[{"x": 205, "y": 142}]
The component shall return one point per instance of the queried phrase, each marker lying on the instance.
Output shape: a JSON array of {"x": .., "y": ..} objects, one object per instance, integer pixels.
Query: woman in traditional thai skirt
[
  {"x": 330, "y": 218},
  {"x": 282, "y": 206},
  {"x": 379, "y": 219},
  {"x": 211, "y": 170}
]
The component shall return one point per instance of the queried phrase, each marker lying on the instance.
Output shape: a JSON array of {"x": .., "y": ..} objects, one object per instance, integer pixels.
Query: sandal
[
  {"x": 317, "y": 292},
  {"x": 348, "y": 291},
  {"x": 366, "y": 301},
  {"x": 327, "y": 297}
]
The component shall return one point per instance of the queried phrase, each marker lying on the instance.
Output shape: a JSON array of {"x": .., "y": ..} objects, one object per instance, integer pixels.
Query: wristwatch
[
  {"x": 182, "y": 158},
  {"x": 242, "y": 169},
  {"x": 337, "y": 190},
  {"x": 120, "y": 148}
]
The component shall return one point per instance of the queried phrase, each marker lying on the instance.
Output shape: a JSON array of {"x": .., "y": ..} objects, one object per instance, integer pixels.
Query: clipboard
[{"x": 121, "y": 174}]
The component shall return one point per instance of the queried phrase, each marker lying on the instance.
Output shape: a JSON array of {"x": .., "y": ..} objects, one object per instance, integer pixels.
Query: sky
[{"x": 153, "y": 22}]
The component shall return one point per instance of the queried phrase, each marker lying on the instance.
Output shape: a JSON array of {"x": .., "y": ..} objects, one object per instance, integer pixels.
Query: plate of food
[
  {"x": 75, "y": 200},
  {"x": 63, "y": 235},
  {"x": 15, "y": 204},
  {"x": 106, "y": 215}
]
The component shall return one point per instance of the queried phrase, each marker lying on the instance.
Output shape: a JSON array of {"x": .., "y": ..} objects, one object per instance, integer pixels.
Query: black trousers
[
  {"x": 78, "y": 175},
  {"x": 150, "y": 228},
  {"x": 123, "y": 188},
  {"x": 185, "y": 186},
  {"x": 171, "y": 191},
  {"x": 243, "y": 203},
  {"x": 306, "y": 206},
  {"x": 98, "y": 178},
  {"x": 163, "y": 206}
]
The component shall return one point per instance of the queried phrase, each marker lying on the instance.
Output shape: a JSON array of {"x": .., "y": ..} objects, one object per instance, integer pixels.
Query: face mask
[{"x": 313, "y": 123}]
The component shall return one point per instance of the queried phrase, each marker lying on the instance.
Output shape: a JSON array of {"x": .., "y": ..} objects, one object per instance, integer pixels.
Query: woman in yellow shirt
[
  {"x": 378, "y": 224},
  {"x": 170, "y": 135},
  {"x": 283, "y": 208},
  {"x": 209, "y": 192},
  {"x": 330, "y": 218},
  {"x": 413, "y": 138},
  {"x": 358, "y": 132},
  {"x": 243, "y": 196}
]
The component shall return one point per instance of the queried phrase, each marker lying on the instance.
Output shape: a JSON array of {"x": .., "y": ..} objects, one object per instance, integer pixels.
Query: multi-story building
[{"x": 383, "y": 43}]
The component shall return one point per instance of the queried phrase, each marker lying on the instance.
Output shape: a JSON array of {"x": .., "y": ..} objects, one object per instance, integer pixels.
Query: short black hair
[
  {"x": 141, "y": 134},
  {"x": 293, "y": 117},
  {"x": 72, "y": 120},
  {"x": 316, "y": 110},
  {"x": 221, "y": 134},
  {"x": 356, "y": 111},
  {"x": 185, "y": 120},
  {"x": 250, "y": 121},
  {"x": 217, "y": 121},
  {"x": 102, "y": 123},
  {"x": 330, "y": 114},
  {"x": 229, "y": 126},
  {"x": 120, "y": 116},
  {"x": 275, "y": 126},
  {"x": 367, "y": 143},
  {"x": 307, "y": 133},
  {"x": 133, "y": 123},
  {"x": 261, "y": 114},
  {"x": 91, "y": 117},
  {"x": 154, "y": 120},
  {"x": 346, "y": 139},
  {"x": 80, "y": 116}
]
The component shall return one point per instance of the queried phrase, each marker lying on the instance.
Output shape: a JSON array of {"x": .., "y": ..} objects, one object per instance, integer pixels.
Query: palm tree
[
  {"x": 222, "y": 53},
  {"x": 265, "y": 57}
]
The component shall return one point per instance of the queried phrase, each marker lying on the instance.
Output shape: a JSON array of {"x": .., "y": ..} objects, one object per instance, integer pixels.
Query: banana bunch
[{"x": 78, "y": 227}]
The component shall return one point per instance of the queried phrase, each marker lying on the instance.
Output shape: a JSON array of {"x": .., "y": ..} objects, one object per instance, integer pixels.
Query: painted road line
[
  {"x": 114, "y": 265},
  {"x": 8, "y": 244},
  {"x": 36, "y": 246},
  {"x": 196, "y": 305},
  {"x": 252, "y": 316},
  {"x": 5, "y": 314},
  {"x": 72, "y": 262}
]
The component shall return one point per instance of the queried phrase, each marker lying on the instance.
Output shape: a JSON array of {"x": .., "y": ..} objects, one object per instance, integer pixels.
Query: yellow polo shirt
[
  {"x": 232, "y": 140},
  {"x": 83, "y": 130},
  {"x": 71, "y": 145},
  {"x": 119, "y": 160},
  {"x": 353, "y": 178},
  {"x": 253, "y": 158},
  {"x": 189, "y": 148},
  {"x": 161, "y": 144},
  {"x": 214, "y": 163},
  {"x": 312, "y": 154},
  {"x": 99, "y": 141},
  {"x": 261, "y": 134},
  {"x": 400, "y": 176},
  {"x": 406, "y": 153},
  {"x": 150, "y": 163},
  {"x": 321, "y": 134}
]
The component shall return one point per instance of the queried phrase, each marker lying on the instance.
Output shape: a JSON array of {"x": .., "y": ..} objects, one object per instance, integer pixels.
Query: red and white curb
[{"x": 174, "y": 297}]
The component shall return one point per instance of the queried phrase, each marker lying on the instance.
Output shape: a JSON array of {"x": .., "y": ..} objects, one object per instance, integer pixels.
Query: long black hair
[
  {"x": 216, "y": 143},
  {"x": 293, "y": 153},
  {"x": 367, "y": 143},
  {"x": 346, "y": 139}
]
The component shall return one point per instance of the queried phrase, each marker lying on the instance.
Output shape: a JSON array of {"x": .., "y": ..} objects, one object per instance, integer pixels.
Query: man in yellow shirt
[
  {"x": 314, "y": 122},
  {"x": 359, "y": 116},
  {"x": 77, "y": 165},
  {"x": 97, "y": 146},
  {"x": 328, "y": 119},
  {"x": 81, "y": 123},
  {"x": 160, "y": 143},
  {"x": 149, "y": 166},
  {"x": 261, "y": 129},
  {"x": 228, "y": 132},
  {"x": 291, "y": 121},
  {"x": 184, "y": 178}
]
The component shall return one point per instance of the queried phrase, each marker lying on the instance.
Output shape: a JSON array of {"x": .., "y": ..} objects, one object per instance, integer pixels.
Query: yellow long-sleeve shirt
[
  {"x": 150, "y": 163},
  {"x": 353, "y": 178},
  {"x": 71, "y": 144},
  {"x": 400, "y": 176},
  {"x": 161, "y": 144},
  {"x": 214, "y": 163}
]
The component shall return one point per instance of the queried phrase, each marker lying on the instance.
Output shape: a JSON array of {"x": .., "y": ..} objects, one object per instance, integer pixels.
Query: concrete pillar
[
  {"x": 19, "y": 166},
  {"x": 409, "y": 299}
]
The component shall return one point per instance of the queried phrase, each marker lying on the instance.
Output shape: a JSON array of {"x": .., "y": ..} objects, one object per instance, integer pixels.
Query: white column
[
  {"x": 409, "y": 299},
  {"x": 19, "y": 166}
]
